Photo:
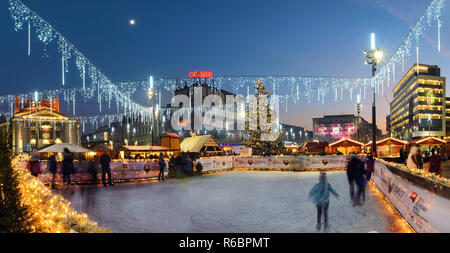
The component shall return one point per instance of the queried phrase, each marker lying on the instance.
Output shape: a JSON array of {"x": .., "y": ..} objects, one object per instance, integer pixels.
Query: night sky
[{"x": 173, "y": 37}]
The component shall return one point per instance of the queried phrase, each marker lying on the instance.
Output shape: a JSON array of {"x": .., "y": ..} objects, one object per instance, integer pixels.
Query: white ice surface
[{"x": 236, "y": 201}]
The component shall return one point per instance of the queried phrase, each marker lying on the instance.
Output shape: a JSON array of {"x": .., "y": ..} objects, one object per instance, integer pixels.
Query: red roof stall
[
  {"x": 346, "y": 146},
  {"x": 389, "y": 147},
  {"x": 316, "y": 147}
]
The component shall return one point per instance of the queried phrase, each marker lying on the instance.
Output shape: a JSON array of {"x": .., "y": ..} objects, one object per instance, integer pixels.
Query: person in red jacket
[{"x": 435, "y": 163}]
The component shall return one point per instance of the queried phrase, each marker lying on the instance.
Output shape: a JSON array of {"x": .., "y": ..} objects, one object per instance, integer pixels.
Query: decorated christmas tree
[{"x": 255, "y": 141}]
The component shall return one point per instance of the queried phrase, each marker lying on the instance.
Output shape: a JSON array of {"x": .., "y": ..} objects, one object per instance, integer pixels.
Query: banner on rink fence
[
  {"x": 211, "y": 164},
  {"x": 119, "y": 171},
  {"x": 424, "y": 211},
  {"x": 305, "y": 162}
]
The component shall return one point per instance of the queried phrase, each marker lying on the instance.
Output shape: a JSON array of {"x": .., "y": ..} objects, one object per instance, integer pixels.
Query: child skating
[{"x": 320, "y": 195}]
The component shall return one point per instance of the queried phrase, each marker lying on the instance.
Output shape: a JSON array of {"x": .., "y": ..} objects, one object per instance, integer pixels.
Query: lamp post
[
  {"x": 358, "y": 107},
  {"x": 152, "y": 93},
  {"x": 374, "y": 55}
]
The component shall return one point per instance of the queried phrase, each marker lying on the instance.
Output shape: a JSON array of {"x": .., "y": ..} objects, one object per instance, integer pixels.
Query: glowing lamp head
[
  {"x": 378, "y": 55},
  {"x": 132, "y": 22}
]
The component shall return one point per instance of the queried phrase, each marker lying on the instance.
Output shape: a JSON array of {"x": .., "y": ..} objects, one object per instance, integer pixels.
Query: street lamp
[
  {"x": 358, "y": 107},
  {"x": 374, "y": 55}
]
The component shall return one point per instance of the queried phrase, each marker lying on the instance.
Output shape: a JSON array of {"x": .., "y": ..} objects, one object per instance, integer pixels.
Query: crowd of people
[
  {"x": 181, "y": 165},
  {"x": 416, "y": 159}
]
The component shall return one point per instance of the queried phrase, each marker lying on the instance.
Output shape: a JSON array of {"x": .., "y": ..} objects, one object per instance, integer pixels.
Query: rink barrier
[{"x": 425, "y": 211}]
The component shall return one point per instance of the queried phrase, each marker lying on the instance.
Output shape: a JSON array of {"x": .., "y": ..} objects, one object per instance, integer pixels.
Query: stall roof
[
  {"x": 346, "y": 142},
  {"x": 393, "y": 141},
  {"x": 147, "y": 148},
  {"x": 429, "y": 141},
  {"x": 316, "y": 145},
  {"x": 196, "y": 143},
  {"x": 173, "y": 135},
  {"x": 59, "y": 148}
]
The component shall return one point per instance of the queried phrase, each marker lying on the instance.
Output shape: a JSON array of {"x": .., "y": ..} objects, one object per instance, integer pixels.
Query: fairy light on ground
[{"x": 51, "y": 213}]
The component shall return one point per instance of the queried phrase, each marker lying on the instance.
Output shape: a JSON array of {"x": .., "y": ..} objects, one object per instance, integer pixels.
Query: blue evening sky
[{"x": 173, "y": 37}]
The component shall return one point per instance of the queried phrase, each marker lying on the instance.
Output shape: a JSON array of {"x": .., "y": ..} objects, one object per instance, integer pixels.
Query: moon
[{"x": 132, "y": 22}]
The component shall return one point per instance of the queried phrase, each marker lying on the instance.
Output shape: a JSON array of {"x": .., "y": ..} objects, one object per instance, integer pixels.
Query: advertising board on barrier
[
  {"x": 424, "y": 211},
  {"x": 307, "y": 162},
  {"x": 119, "y": 171},
  {"x": 211, "y": 164}
]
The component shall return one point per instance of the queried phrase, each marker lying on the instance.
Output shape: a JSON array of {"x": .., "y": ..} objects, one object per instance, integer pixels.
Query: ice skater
[
  {"x": 352, "y": 168},
  {"x": 320, "y": 195}
]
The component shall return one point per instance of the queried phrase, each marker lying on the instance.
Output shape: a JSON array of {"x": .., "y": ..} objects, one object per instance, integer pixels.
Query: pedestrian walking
[
  {"x": 411, "y": 163},
  {"x": 199, "y": 167},
  {"x": 320, "y": 195},
  {"x": 52, "y": 167},
  {"x": 419, "y": 160},
  {"x": 352, "y": 168},
  {"x": 35, "y": 169},
  {"x": 370, "y": 165},
  {"x": 435, "y": 163},
  {"x": 172, "y": 167},
  {"x": 92, "y": 170},
  {"x": 106, "y": 169},
  {"x": 188, "y": 165},
  {"x": 162, "y": 166},
  {"x": 67, "y": 165},
  {"x": 361, "y": 181}
]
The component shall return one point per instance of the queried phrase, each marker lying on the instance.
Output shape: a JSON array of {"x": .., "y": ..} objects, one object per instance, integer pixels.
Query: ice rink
[{"x": 236, "y": 201}]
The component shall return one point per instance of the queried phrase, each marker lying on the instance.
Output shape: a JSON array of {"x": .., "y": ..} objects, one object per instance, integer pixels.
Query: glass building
[{"x": 418, "y": 105}]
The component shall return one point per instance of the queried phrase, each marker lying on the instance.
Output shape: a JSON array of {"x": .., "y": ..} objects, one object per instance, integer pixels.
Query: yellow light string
[{"x": 51, "y": 213}]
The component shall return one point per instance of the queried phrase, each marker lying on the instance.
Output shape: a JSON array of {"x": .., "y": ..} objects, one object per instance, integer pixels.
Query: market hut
[
  {"x": 143, "y": 152},
  {"x": 389, "y": 147},
  {"x": 426, "y": 144},
  {"x": 170, "y": 140},
  {"x": 205, "y": 144},
  {"x": 346, "y": 146},
  {"x": 316, "y": 147}
]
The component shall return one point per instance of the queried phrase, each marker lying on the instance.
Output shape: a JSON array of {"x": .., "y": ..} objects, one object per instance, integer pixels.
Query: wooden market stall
[
  {"x": 170, "y": 140},
  {"x": 426, "y": 144},
  {"x": 346, "y": 146},
  {"x": 203, "y": 144},
  {"x": 144, "y": 152},
  {"x": 316, "y": 147},
  {"x": 389, "y": 147}
]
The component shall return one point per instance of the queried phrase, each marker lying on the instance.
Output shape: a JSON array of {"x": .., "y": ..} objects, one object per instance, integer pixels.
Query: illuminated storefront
[
  {"x": 418, "y": 105},
  {"x": 331, "y": 128}
]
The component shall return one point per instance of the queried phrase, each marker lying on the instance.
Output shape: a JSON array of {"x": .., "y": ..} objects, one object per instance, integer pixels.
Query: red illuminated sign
[{"x": 200, "y": 74}]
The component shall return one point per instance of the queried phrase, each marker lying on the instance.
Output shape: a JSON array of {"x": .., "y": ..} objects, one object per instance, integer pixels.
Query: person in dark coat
[
  {"x": 172, "y": 167},
  {"x": 106, "y": 169},
  {"x": 370, "y": 165},
  {"x": 419, "y": 160},
  {"x": 35, "y": 168},
  {"x": 402, "y": 157},
  {"x": 52, "y": 167},
  {"x": 92, "y": 169},
  {"x": 361, "y": 182},
  {"x": 67, "y": 165},
  {"x": 188, "y": 165},
  {"x": 162, "y": 166},
  {"x": 199, "y": 167},
  {"x": 435, "y": 163},
  {"x": 352, "y": 168}
]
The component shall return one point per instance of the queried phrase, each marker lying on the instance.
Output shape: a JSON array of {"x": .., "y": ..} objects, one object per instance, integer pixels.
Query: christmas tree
[
  {"x": 14, "y": 216},
  {"x": 255, "y": 141}
]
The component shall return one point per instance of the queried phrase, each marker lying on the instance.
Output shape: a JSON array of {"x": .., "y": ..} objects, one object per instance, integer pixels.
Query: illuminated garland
[
  {"x": 50, "y": 213},
  {"x": 410, "y": 44},
  {"x": 295, "y": 89}
]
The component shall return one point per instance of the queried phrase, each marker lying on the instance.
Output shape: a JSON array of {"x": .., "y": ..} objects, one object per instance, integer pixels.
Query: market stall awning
[
  {"x": 390, "y": 141},
  {"x": 197, "y": 144},
  {"x": 59, "y": 148},
  {"x": 429, "y": 141},
  {"x": 147, "y": 148},
  {"x": 344, "y": 142}
]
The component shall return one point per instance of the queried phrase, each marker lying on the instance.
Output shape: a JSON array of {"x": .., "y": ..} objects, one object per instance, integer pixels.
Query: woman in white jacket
[{"x": 411, "y": 163}]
